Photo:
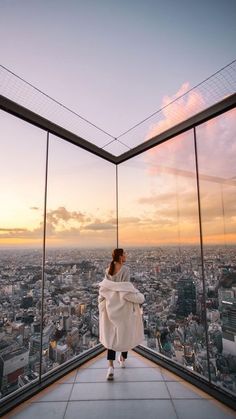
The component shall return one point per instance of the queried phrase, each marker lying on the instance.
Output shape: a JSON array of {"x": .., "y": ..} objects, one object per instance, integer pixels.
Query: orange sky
[{"x": 157, "y": 190}]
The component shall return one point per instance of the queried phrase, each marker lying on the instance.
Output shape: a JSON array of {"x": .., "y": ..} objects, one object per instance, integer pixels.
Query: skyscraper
[{"x": 186, "y": 302}]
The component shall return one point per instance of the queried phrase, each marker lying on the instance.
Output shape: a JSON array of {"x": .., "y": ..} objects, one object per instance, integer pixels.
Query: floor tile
[
  {"x": 116, "y": 390},
  {"x": 48, "y": 410},
  {"x": 169, "y": 376},
  {"x": 93, "y": 360},
  {"x": 121, "y": 374},
  {"x": 201, "y": 409},
  {"x": 141, "y": 390},
  {"x": 56, "y": 392},
  {"x": 183, "y": 390},
  {"x": 132, "y": 362},
  {"x": 68, "y": 378},
  {"x": 117, "y": 409}
]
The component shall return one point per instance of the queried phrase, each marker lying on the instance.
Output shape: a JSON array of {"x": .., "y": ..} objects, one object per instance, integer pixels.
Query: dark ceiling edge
[
  {"x": 207, "y": 114},
  {"x": 43, "y": 123},
  {"x": 21, "y": 112}
]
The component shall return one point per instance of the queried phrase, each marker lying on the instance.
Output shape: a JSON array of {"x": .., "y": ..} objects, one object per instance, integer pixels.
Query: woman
[{"x": 120, "y": 319}]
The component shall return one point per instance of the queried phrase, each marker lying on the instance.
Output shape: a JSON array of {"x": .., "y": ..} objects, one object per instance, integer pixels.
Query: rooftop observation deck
[
  {"x": 141, "y": 390},
  {"x": 144, "y": 389}
]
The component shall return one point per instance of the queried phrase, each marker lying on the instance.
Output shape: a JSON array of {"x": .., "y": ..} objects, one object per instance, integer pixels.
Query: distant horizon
[
  {"x": 123, "y": 247},
  {"x": 112, "y": 63}
]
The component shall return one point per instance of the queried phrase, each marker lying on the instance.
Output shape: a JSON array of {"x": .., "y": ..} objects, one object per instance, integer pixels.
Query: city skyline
[{"x": 190, "y": 323}]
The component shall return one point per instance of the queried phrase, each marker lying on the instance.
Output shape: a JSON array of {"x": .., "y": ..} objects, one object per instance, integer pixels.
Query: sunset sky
[{"x": 115, "y": 63}]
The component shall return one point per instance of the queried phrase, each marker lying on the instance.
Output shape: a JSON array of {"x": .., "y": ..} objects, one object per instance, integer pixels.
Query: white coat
[{"x": 120, "y": 318}]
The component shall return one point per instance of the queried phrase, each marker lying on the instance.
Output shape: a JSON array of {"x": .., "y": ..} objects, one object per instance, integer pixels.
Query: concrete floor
[{"x": 140, "y": 391}]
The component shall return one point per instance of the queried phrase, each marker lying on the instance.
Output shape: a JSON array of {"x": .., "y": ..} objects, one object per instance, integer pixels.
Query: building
[
  {"x": 229, "y": 327},
  {"x": 13, "y": 364},
  {"x": 186, "y": 301}
]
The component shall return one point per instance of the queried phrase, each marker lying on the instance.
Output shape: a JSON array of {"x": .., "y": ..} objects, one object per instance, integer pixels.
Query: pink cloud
[
  {"x": 177, "y": 108},
  {"x": 215, "y": 141}
]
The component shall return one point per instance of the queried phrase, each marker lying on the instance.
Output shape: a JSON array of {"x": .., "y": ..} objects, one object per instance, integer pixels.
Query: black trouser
[{"x": 111, "y": 355}]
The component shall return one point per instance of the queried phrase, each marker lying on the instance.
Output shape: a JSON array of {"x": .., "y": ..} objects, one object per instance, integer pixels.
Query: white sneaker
[
  {"x": 110, "y": 373},
  {"x": 121, "y": 362}
]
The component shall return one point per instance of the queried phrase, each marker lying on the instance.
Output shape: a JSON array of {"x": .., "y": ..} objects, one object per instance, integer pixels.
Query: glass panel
[
  {"x": 81, "y": 231},
  {"x": 216, "y": 157},
  {"x": 22, "y": 167},
  {"x": 159, "y": 223}
]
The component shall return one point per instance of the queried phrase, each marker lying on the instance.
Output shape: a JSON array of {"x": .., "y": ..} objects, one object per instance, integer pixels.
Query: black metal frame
[
  {"x": 43, "y": 123},
  {"x": 209, "y": 113},
  {"x": 19, "y": 111},
  {"x": 43, "y": 259},
  {"x": 202, "y": 253},
  {"x": 117, "y": 207}
]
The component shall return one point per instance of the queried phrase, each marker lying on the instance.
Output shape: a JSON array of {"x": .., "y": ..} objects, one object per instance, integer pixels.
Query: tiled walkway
[{"x": 140, "y": 391}]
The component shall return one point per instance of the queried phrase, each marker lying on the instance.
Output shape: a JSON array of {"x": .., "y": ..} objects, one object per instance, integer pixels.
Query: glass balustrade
[
  {"x": 176, "y": 220},
  {"x": 21, "y": 239}
]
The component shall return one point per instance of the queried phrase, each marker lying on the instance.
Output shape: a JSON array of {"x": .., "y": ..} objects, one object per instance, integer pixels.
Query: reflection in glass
[
  {"x": 216, "y": 159},
  {"x": 81, "y": 232},
  {"x": 22, "y": 167},
  {"x": 158, "y": 217}
]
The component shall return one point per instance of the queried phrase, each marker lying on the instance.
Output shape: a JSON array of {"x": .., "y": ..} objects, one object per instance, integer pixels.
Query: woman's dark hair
[{"x": 116, "y": 254}]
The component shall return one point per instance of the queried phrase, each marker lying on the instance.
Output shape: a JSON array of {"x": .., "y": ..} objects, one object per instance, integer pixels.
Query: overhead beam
[
  {"x": 209, "y": 113},
  {"x": 43, "y": 123}
]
